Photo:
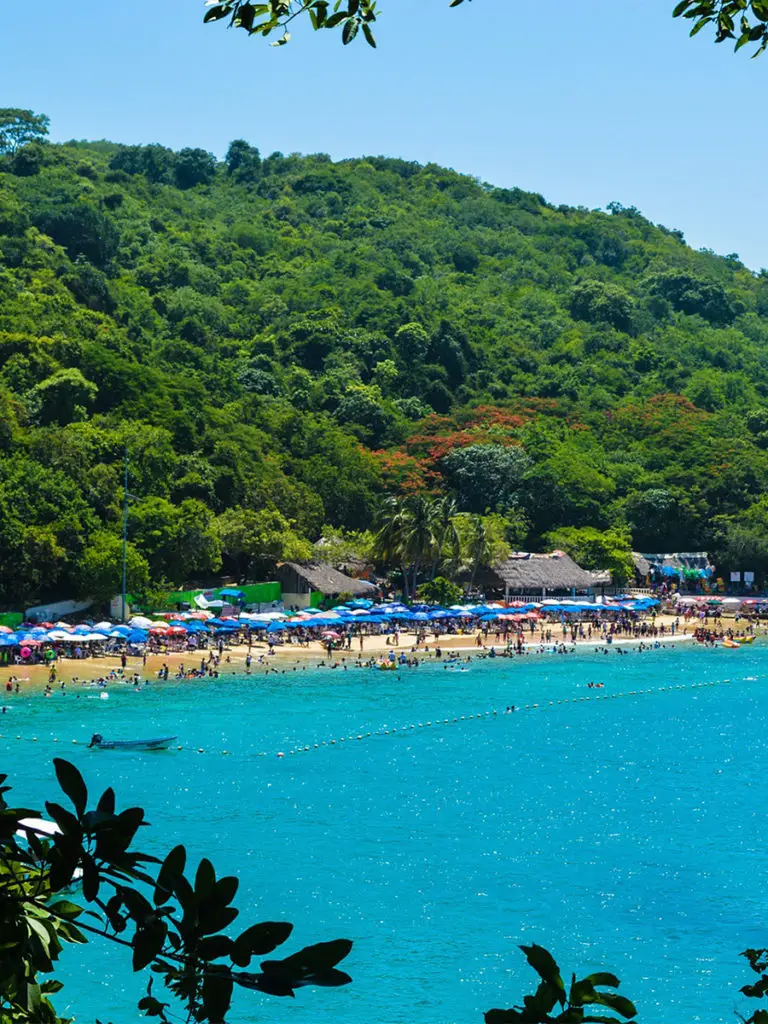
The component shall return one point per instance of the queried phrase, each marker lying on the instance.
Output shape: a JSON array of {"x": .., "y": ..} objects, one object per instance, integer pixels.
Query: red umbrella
[
  {"x": 330, "y": 635},
  {"x": 173, "y": 631}
]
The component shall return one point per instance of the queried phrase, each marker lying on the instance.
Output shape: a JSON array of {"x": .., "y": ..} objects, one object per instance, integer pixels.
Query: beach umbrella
[
  {"x": 177, "y": 631},
  {"x": 275, "y": 627},
  {"x": 329, "y": 634},
  {"x": 5, "y": 629},
  {"x": 140, "y": 621},
  {"x": 103, "y": 625},
  {"x": 58, "y": 635}
]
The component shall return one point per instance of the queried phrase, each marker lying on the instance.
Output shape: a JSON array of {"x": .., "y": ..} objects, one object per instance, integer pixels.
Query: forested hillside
[{"x": 283, "y": 341}]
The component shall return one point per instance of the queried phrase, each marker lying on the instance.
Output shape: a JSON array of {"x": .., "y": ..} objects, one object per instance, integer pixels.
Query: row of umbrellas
[
  {"x": 140, "y": 628},
  {"x": 727, "y": 602}
]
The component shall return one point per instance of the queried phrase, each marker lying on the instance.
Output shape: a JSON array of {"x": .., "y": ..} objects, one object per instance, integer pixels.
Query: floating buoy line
[{"x": 436, "y": 723}]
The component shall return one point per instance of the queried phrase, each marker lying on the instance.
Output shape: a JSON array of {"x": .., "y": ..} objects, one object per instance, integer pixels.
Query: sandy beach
[{"x": 233, "y": 661}]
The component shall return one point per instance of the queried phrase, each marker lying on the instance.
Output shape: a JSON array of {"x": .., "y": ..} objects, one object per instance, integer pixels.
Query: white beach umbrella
[
  {"x": 140, "y": 621},
  {"x": 732, "y": 601},
  {"x": 60, "y": 634}
]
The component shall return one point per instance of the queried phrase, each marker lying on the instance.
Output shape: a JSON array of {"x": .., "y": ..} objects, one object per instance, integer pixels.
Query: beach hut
[
  {"x": 300, "y": 581},
  {"x": 553, "y": 573}
]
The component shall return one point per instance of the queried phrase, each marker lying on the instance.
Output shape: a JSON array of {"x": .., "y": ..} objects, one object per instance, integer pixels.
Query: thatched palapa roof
[
  {"x": 327, "y": 580},
  {"x": 642, "y": 565},
  {"x": 554, "y": 571}
]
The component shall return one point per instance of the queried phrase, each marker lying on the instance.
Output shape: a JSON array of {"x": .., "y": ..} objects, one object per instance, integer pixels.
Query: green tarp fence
[
  {"x": 11, "y": 619},
  {"x": 255, "y": 593}
]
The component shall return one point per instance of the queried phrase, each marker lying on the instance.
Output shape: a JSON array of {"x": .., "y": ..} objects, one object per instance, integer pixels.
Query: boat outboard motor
[{"x": 95, "y": 740}]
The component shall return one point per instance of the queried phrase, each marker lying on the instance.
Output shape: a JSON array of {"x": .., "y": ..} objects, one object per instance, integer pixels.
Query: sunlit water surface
[{"x": 624, "y": 833}]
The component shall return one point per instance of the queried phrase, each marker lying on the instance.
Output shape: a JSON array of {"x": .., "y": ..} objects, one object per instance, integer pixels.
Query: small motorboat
[{"x": 99, "y": 743}]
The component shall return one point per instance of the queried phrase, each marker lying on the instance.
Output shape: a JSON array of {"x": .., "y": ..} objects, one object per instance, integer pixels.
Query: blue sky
[{"x": 584, "y": 102}]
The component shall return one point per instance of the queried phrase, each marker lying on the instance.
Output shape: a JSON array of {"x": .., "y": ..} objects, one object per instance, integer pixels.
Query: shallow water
[{"x": 624, "y": 834}]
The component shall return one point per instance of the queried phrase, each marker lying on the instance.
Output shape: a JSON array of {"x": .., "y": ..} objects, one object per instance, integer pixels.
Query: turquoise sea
[{"x": 625, "y": 834}]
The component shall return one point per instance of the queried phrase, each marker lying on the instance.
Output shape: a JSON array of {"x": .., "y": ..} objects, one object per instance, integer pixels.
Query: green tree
[
  {"x": 243, "y": 161},
  {"x": 486, "y": 476},
  {"x": 101, "y": 568},
  {"x": 573, "y": 1005},
  {"x": 277, "y": 15},
  {"x": 745, "y": 21},
  {"x": 178, "y": 541},
  {"x": 482, "y": 543},
  {"x": 440, "y": 591},
  {"x": 62, "y": 398},
  {"x": 255, "y": 541},
  {"x": 596, "y": 549},
  {"x": 20, "y": 127},
  {"x": 172, "y": 923},
  {"x": 82, "y": 230},
  {"x": 194, "y": 167},
  {"x": 602, "y": 303}
]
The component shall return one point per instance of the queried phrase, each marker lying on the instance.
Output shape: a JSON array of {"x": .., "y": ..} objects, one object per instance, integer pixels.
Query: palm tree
[
  {"x": 389, "y": 543},
  {"x": 419, "y": 536},
  {"x": 410, "y": 534},
  {"x": 480, "y": 548},
  {"x": 444, "y": 530}
]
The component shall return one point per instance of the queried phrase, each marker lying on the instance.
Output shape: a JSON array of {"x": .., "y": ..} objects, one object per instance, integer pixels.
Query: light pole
[{"x": 125, "y": 533}]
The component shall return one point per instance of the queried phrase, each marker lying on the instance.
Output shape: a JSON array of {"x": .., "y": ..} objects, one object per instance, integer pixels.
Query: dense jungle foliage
[{"x": 282, "y": 342}]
